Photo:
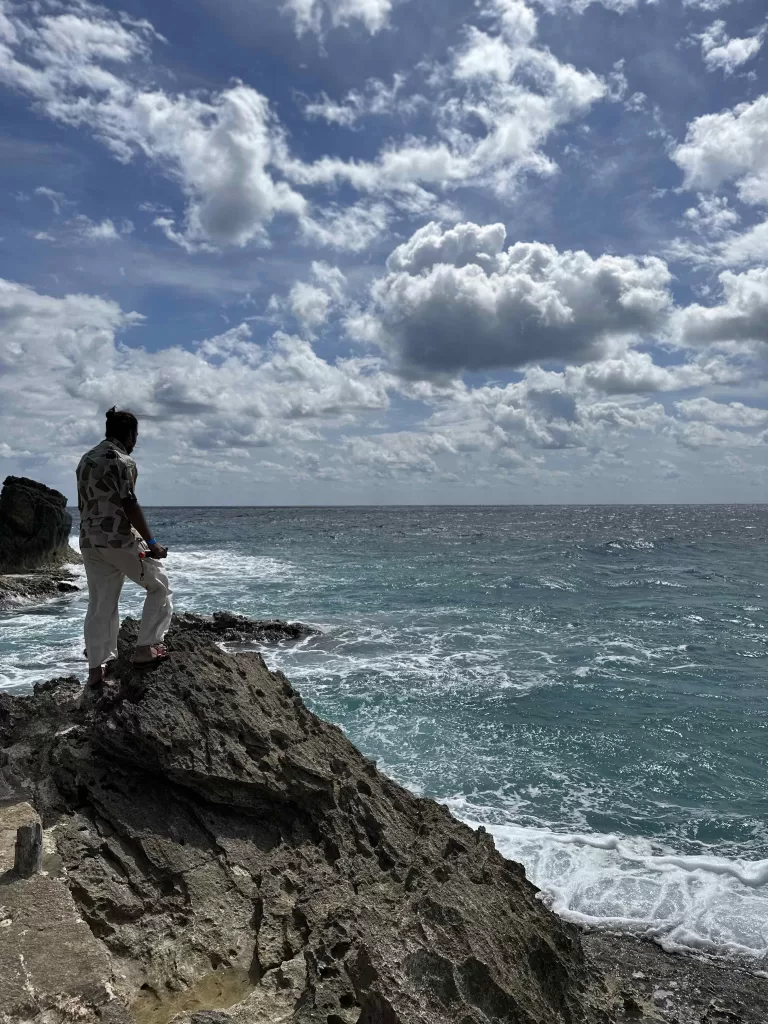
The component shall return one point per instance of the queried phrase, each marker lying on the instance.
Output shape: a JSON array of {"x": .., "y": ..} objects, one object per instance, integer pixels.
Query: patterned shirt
[{"x": 106, "y": 476}]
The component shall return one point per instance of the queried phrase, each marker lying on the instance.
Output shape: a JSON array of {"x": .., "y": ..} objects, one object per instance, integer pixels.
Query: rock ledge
[{"x": 238, "y": 859}]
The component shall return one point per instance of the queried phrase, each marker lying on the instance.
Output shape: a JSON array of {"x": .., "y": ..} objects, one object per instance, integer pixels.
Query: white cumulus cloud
[
  {"x": 721, "y": 52},
  {"x": 742, "y": 316},
  {"x": 727, "y": 414},
  {"x": 729, "y": 146},
  {"x": 458, "y": 301},
  {"x": 707, "y": 5},
  {"x": 374, "y": 99},
  {"x": 62, "y": 364},
  {"x": 83, "y": 66},
  {"x": 495, "y": 102},
  {"x": 78, "y": 68}
]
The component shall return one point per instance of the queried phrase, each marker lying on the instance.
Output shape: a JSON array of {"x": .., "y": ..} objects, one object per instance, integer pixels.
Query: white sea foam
[
  {"x": 225, "y": 578},
  {"x": 207, "y": 581},
  {"x": 632, "y": 545},
  {"x": 196, "y": 569},
  {"x": 555, "y": 584},
  {"x": 620, "y": 884},
  {"x": 425, "y": 657},
  {"x": 228, "y": 566},
  {"x": 386, "y": 674}
]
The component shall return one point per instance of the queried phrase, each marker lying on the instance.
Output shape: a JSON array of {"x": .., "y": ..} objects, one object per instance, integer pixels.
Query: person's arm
[{"x": 135, "y": 516}]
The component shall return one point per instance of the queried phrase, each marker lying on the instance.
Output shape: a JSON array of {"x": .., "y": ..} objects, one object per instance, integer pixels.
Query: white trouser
[{"x": 105, "y": 570}]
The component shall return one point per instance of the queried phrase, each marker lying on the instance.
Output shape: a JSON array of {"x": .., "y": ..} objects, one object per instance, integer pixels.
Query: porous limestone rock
[{"x": 218, "y": 837}]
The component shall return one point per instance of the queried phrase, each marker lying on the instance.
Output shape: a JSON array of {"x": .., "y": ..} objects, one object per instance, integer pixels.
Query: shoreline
[
  {"x": 231, "y": 639},
  {"x": 644, "y": 981},
  {"x": 680, "y": 987},
  {"x": 26, "y": 589},
  {"x": 205, "y": 804},
  {"x": 53, "y": 576}
]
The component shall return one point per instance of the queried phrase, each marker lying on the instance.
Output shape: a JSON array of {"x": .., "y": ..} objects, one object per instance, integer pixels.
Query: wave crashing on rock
[{"x": 236, "y": 858}]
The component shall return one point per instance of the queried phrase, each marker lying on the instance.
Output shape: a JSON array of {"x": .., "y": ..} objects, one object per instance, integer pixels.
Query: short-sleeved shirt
[{"x": 106, "y": 476}]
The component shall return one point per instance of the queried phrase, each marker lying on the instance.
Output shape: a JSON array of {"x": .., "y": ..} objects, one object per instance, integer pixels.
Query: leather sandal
[{"x": 159, "y": 652}]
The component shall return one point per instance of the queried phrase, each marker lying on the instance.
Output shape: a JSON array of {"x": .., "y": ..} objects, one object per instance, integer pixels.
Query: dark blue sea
[{"x": 588, "y": 682}]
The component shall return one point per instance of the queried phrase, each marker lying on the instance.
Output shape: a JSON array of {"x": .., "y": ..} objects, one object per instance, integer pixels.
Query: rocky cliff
[
  {"x": 34, "y": 542},
  {"x": 34, "y": 526},
  {"x": 237, "y": 859}
]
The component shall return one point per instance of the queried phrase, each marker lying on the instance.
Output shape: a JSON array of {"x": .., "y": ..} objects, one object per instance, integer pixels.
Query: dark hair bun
[{"x": 121, "y": 423}]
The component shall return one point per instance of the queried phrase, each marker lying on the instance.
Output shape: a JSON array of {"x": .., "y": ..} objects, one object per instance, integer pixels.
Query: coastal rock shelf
[
  {"x": 235, "y": 858},
  {"x": 28, "y": 588}
]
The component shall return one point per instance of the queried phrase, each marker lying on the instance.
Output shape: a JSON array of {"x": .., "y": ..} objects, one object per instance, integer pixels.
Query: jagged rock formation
[
  {"x": 225, "y": 627},
  {"x": 34, "y": 587},
  {"x": 34, "y": 526},
  {"x": 240, "y": 860},
  {"x": 34, "y": 543}
]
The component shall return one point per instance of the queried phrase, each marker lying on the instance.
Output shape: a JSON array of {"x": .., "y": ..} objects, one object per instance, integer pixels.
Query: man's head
[{"x": 123, "y": 427}]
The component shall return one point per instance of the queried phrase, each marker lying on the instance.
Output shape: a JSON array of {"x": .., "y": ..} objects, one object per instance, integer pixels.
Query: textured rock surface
[
  {"x": 673, "y": 988},
  {"x": 22, "y": 589},
  {"x": 224, "y": 627},
  {"x": 34, "y": 544},
  {"x": 217, "y": 837},
  {"x": 52, "y": 968},
  {"x": 34, "y": 526}
]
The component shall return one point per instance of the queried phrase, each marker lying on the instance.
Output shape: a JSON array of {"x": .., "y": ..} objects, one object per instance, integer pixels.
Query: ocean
[{"x": 587, "y": 682}]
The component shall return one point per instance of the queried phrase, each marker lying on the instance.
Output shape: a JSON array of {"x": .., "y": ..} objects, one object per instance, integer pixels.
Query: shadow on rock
[{"x": 210, "y": 826}]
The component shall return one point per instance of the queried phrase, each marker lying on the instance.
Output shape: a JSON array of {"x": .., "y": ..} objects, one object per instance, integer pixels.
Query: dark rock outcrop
[
  {"x": 34, "y": 587},
  {"x": 34, "y": 544},
  {"x": 240, "y": 860},
  {"x": 224, "y": 627},
  {"x": 34, "y": 526}
]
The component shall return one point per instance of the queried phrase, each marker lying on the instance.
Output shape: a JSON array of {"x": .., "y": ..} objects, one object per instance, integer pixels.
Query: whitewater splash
[
  {"x": 621, "y": 885},
  {"x": 577, "y": 677}
]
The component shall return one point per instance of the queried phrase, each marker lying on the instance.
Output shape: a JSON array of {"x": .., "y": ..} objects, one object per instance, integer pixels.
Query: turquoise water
[{"x": 589, "y": 682}]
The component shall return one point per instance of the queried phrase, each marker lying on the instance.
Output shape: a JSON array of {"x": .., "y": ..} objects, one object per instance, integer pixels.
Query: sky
[{"x": 388, "y": 251}]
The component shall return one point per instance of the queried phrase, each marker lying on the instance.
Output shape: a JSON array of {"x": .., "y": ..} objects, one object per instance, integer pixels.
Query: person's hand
[{"x": 157, "y": 551}]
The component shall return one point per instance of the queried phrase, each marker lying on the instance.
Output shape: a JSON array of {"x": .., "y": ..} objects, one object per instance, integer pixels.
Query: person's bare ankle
[{"x": 96, "y": 676}]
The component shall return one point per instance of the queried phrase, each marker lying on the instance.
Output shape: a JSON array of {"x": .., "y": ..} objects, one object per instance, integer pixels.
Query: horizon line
[{"x": 515, "y": 504}]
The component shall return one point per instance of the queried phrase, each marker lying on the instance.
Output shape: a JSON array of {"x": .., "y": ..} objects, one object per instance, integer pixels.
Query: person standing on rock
[{"x": 116, "y": 542}]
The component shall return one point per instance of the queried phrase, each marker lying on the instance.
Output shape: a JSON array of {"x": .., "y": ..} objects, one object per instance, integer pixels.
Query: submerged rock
[
  {"x": 240, "y": 860},
  {"x": 237, "y": 629}
]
